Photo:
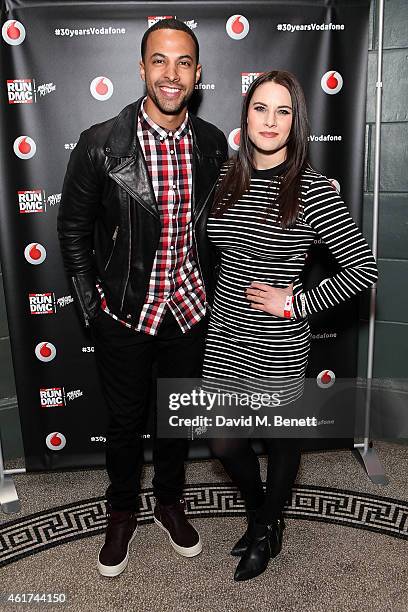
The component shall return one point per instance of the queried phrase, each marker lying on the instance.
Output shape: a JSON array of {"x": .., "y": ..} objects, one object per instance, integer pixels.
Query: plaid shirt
[{"x": 175, "y": 280}]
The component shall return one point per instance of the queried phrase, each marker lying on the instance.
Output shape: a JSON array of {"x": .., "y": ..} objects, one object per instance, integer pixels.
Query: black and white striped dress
[{"x": 246, "y": 343}]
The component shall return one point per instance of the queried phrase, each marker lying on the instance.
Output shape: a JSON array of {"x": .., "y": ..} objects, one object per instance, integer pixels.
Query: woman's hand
[{"x": 267, "y": 298}]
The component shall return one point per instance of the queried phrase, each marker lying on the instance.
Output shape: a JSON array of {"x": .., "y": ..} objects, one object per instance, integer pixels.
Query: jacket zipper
[
  {"x": 129, "y": 256},
  {"x": 115, "y": 235},
  {"x": 81, "y": 303}
]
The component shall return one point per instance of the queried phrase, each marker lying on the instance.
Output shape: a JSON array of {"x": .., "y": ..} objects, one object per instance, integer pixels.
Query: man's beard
[{"x": 167, "y": 106}]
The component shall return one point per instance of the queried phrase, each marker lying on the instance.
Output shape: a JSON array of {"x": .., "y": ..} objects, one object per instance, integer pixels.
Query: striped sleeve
[{"x": 327, "y": 214}]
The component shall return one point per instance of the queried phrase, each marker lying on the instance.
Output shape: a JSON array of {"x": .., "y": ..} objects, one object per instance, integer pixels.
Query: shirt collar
[{"x": 159, "y": 132}]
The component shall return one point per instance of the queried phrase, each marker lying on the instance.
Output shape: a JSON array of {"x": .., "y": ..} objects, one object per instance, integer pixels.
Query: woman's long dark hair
[{"x": 238, "y": 177}]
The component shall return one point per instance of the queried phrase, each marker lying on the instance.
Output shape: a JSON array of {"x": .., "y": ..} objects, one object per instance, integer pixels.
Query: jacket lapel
[{"x": 131, "y": 173}]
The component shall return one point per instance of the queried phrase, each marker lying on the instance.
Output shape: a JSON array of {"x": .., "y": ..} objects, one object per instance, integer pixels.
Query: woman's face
[{"x": 269, "y": 121}]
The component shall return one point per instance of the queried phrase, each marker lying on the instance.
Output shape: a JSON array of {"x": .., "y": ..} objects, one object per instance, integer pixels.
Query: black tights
[{"x": 242, "y": 466}]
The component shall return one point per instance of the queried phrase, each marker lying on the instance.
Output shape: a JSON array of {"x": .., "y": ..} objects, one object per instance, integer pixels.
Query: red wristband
[{"x": 287, "y": 309}]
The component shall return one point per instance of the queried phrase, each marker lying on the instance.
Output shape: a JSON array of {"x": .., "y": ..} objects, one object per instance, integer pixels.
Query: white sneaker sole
[
  {"x": 114, "y": 570},
  {"x": 192, "y": 551}
]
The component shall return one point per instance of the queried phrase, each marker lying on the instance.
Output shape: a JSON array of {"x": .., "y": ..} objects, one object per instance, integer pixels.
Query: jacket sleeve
[
  {"x": 327, "y": 214},
  {"x": 80, "y": 199}
]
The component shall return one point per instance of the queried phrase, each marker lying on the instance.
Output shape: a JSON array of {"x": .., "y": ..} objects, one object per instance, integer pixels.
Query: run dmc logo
[
  {"x": 247, "y": 78},
  {"x": 234, "y": 139},
  {"x": 237, "y": 27},
  {"x": 191, "y": 23},
  {"x": 35, "y": 253},
  {"x": 55, "y": 441},
  {"x": 25, "y": 91},
  {"x": 13, "y": 32},
  {"x": 155, "y": 18},
  {"x": 45, "y": 351},
  {"x": 42, "y": 303},
  {"x": 31, "y": 201},
  {"x": 101, "y": 88},
  {"x": 24, "y": 147},
  {"x": 20, "y": 91},
  {"x": 54, "y": 396},
  {"x": 331, "y": 82},
  {"x": 35, "y": 200}
]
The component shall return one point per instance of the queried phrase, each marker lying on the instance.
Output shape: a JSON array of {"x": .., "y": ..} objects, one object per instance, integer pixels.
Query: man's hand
[{"x": 267, "y": 298}]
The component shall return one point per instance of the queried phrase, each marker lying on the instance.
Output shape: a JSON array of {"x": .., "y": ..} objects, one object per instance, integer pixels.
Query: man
[{"x": 132, "y": 227}]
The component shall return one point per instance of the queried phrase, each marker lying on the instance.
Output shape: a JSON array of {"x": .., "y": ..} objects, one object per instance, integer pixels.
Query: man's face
[{"x": 169, "y": 70}]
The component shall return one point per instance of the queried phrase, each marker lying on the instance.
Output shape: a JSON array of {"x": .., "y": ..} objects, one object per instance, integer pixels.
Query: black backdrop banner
[{"x": 67, "y": 65}]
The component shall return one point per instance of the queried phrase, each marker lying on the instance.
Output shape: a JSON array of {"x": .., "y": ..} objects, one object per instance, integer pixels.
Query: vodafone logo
[
  {"x": 237, "y": 27},
  {"x": 234, "y": 139},
  {"x": 55, "y": 441},
  {"x": 24, "y": 147},
  {"x": 35, "y": 253},
  {"x": 101, "y": 88},
  {"x": 331, "y": 82},
  {"x": 335, "y": 184},
  {"x": 13, "y": 32},
  {"x": 45, "y": 351},
  {"x": 326, "y": 379}
]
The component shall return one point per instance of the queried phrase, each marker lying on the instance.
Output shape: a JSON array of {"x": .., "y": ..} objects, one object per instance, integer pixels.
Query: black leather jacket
[{"x": 109, "y": 225}]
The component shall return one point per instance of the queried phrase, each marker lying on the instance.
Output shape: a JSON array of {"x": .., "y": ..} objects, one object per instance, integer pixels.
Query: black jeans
[{"x": 125, "y": 359}]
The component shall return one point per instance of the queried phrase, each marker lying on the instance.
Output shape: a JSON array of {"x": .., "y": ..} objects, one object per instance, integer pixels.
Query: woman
[{"x": 269, "y": 207}]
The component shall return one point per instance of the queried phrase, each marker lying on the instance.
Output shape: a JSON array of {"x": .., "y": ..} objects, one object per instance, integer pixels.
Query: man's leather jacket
[{"x": 109, "y": 224}]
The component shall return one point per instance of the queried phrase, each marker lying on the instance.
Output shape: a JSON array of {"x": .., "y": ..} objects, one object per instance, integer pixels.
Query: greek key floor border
[{"x": 53, "y": 527}]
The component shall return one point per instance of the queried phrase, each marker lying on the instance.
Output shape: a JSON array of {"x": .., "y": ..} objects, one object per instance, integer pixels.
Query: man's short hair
[{"x": 169, "y": 24}]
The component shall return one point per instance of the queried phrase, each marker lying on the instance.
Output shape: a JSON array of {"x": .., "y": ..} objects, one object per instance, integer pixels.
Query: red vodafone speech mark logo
[
  {"x": 45, "y": 351},
  {"x": 237, "y": 27},
  {"x": 55, "y": 441},
  {"x": 24, "y": 147},
  {"x": 35, "y": 253},
  {"x": 331, "y": 82},
  {"x": 13, "y": 32},
  {"x": 101, "y": 88},
  {"x": 326, "y": 379},
  {"x": 234, "y": 139}
]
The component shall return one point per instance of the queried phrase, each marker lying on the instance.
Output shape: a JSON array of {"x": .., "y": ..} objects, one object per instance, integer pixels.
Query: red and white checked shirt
[{"x": 175, "y": 281}]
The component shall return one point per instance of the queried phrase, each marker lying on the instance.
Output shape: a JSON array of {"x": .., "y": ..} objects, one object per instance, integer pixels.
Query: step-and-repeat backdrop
[{"x": 68, "y": 65}]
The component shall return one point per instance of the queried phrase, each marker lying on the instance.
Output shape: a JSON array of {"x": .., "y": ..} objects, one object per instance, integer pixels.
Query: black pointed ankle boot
[
  {"x": 240, "y": 547},
  {"x": 265, "y": 544}
]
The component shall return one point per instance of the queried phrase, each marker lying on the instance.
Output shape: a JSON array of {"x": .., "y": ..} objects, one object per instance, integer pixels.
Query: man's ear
[
  {"x": 142, "y": 70},
  {"x": 198, "y": 73}
]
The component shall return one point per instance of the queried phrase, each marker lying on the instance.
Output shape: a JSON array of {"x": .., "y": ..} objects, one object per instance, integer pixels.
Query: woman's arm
[{"x": 327, "y": 214}]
